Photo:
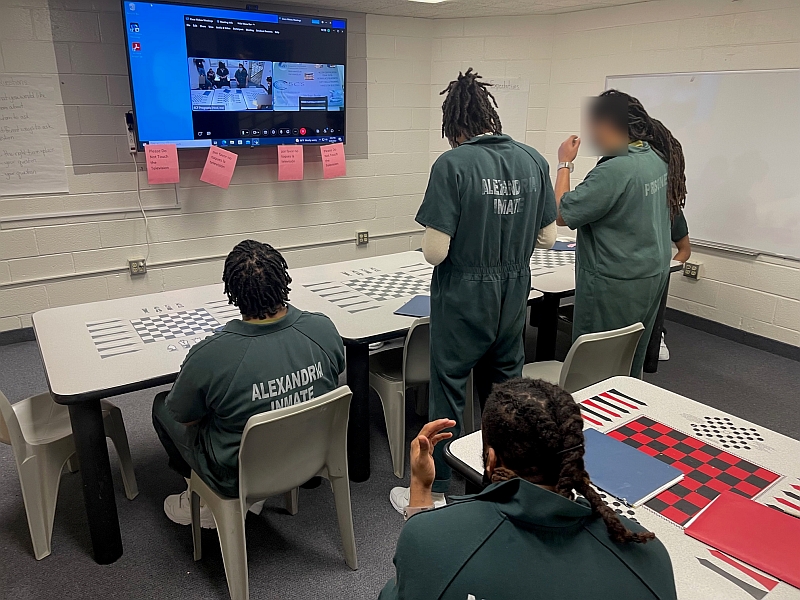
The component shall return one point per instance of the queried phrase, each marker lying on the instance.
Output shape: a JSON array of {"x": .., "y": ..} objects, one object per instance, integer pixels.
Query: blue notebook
[
  {"x": 565, "y": 246},
  {"x": 623, "y": 471},
  {"x": 418, "y": 306}
]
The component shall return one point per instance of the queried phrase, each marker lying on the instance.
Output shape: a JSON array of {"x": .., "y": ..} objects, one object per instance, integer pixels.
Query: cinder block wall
[{"x": 567, "y": 57}]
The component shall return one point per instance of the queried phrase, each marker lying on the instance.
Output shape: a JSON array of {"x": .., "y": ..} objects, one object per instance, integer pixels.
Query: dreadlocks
[
  {"x": 469, "y": 108},
  {"x": 536, "y": 429},
  {"x": 256, "y": 279},
  {"x": 642, "y": 126}
]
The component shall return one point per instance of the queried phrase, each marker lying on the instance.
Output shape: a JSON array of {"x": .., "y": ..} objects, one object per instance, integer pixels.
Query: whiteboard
[{"x": 740, "y": 132}]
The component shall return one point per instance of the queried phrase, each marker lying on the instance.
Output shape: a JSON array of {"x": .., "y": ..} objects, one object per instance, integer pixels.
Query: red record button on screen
[{"x": 302, "y": 131}]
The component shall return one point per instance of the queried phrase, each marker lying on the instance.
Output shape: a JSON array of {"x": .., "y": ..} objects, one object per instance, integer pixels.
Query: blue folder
[
  {"x": 418, "y": 306},
  {"x": 625, "y": 472},
  {"x": 564, "y": 246}
]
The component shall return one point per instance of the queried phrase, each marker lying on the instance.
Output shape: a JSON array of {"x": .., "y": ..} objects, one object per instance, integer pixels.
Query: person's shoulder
[
  {"x": 212, "y": 347},
  {"x": 453, "y": 518},
  {"x": 316, "y": 325},
  {"x": 532, "y": 152}
]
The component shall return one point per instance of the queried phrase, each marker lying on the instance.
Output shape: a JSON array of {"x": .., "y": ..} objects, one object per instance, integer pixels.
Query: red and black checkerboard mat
[{"x": 707, "y": 470}]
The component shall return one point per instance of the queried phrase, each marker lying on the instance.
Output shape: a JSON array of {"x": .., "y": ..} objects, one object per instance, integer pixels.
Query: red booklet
[{"x": 756, "y": 534}]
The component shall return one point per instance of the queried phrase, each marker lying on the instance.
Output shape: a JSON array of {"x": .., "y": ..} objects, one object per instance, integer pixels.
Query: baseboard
[
  {"x": 734, "y": 334},
  {"x": 15, "y": 336}
]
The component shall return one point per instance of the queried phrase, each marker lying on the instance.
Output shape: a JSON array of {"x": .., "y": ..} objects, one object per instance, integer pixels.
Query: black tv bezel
[{"x": 140, "y": 145}]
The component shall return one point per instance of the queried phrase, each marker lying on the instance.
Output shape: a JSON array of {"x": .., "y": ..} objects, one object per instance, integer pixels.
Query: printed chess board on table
[
  {"x": 552, "y": 258},
  {"x": 707, "y": 470},
  {"x": 367, "y": 289},
  {"x": 171, "y": 326}
]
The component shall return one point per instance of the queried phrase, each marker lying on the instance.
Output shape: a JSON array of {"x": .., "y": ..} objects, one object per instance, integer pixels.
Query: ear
[{"x": 491, "y": 460}]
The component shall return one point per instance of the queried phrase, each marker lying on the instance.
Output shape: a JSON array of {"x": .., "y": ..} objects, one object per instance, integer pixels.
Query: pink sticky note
[
  {"x": 333, "y": 164},
  {"x": 162, "y": 163},
  {"x": 219, "y": 167},
  {"x": 290, "y": 163}
]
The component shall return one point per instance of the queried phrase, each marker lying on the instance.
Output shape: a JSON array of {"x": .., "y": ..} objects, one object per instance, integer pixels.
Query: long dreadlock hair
[
  {"x": 642, "y": 126},
  {"x": 256, "y": 279},
  {"x": 469, "y": 108},
  {"x": 536, "y": 429}
]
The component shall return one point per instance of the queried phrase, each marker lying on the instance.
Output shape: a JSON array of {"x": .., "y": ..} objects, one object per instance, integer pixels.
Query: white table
[
  {"x": 102, "y": 349},
  {"x": 699, "y": 573},
  {"x": 553, "y": 274}
]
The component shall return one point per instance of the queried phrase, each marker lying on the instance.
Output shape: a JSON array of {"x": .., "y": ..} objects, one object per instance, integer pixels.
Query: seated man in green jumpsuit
[
  {"x": 486, "y": 202},
  {"x": 275, "y": 356},
  {"x": 622, "y": 211},
  {"x": 526, "y": 536}
]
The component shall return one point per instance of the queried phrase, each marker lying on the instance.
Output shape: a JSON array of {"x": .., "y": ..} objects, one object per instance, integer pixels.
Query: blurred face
[{"x": 606, "y": 138}]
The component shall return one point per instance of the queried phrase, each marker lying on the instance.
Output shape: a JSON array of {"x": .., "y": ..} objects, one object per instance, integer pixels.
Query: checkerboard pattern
[
  {"x": 170, "y": 326},
  {"x": 552, "y": 258},
  {"x": 388, "y": 286},
  {"x": 707, "y": 470}
]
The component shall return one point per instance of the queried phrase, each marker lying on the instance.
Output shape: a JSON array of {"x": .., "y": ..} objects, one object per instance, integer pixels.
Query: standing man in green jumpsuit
[
  {"x": 486, "y": 202},
  {"x": 622, "y": 211}
]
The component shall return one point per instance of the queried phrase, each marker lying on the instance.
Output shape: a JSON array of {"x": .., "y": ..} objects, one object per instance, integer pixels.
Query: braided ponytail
[
  {"x": 641, "y": 126},
  {"x": 536, "y": 429}
]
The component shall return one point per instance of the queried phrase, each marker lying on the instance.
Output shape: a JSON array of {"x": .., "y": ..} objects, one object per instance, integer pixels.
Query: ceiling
[{"x": 462, "y": 8}]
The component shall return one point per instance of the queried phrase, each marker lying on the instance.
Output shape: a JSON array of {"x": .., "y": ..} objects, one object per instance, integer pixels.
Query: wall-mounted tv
[{"x": 227, "y": 77}]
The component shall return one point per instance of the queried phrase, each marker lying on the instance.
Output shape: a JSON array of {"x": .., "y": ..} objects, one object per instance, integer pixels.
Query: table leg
[
  {"x": 654, "y": 344},
  {"x": 548, "y": 327},
  {"x": 98, "y": 489},
  {"x": 358, "y": 429}
]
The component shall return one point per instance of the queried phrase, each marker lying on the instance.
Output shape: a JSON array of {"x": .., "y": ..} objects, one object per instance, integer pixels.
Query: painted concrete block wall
[
  {"x": 80, "y": 253},
  {"x": 567, "y": 57}
]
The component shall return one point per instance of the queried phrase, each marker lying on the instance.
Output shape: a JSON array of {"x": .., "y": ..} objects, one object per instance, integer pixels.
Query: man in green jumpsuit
[
  {"x": 488, "y": 198},
  {"x": 524, "y": 537},
  {"x": 622, "y": 212},
  {"x": 275, "y": 356}
]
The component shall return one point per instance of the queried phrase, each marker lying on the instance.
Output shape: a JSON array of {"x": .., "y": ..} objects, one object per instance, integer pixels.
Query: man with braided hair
[
  {"x": 275, "y": 356},
  {"x": 489, "y": 202},
  {"x": 538, "y": 531},
  {"x": 623, "y": 211}
]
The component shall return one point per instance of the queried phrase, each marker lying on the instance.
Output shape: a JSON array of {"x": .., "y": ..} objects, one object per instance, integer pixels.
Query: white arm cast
[
  {"x": 435, "y": 245},
  {"x": 547, "y": 236}
]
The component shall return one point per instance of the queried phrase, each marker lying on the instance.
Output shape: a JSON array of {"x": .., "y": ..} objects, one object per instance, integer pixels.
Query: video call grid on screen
[{"x": 250, "y": 78}]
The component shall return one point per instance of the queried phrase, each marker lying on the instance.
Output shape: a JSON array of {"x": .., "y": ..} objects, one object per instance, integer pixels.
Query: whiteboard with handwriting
[{"x": 31, "y": 156}]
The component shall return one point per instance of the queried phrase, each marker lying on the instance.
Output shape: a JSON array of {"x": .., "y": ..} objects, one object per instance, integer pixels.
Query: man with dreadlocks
[
  {"x": 623, "y": 212},
  {"x": 487, "y": 200},
  {"x": 538, "y": 531},
  {"x": 275, "y": 356}
]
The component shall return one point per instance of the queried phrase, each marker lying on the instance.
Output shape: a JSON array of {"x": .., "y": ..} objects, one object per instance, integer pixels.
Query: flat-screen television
[{"x": 227, "y": 77}]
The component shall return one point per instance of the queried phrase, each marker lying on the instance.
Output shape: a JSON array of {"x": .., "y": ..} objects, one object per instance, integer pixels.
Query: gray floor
[{"x": 299, "y": 557}]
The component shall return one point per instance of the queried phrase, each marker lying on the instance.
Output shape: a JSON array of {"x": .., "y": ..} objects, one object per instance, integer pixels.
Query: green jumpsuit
[
  {"x": 620, "y": 211},
  {"x": 517, "y": 541},
  {"x": 491, "y": 195}
]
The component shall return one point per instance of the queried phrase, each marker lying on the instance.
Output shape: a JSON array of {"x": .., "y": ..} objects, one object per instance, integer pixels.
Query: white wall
[
  {"x": 69, "y": 259},
  {"x": 397, "y": 68},
  {"x": 567, "y": 57}
]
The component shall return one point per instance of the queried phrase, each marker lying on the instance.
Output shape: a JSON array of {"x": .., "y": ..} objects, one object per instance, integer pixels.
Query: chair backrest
[
  {"x": 284, "y": 448},
  {"x": 595, "y": 357},
  {"x": 10, "y": 432},
  {"x": 417, "y": 353}
]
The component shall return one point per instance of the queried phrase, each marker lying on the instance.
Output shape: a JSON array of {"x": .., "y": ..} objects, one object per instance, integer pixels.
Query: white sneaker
[
  {"x": 663, "y": 351},
  {"x": 257, "y": 507},
  {"x": 178, "y": 509},
  {"x": 401, "y": 496}
]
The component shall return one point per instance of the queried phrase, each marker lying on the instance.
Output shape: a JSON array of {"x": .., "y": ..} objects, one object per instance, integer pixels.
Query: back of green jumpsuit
[
  {"x": 491, "y": 195},
  {"x": 621, "y": 213}
]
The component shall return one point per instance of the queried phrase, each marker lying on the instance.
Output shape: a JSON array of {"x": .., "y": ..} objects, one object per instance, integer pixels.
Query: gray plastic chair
[
  {"x": 392, "y": 372},
  {"x": 281, "y": 450},
  {"x": 594, "y": 357},
  {"x": 39, "y": 432}
]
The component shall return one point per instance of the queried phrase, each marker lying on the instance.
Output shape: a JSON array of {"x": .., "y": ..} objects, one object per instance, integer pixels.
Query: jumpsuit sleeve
[
  {"x": 441, "y": 206},
  {"x": 680, "y": 228},
  {"x": 550, "y": 209},
  {"x": 186, "y": 401},
  {"x": 596, "y": 195}
]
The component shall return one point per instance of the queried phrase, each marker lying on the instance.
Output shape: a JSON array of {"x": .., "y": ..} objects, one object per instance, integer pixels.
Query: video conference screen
[{"x": 209, "y": 76}]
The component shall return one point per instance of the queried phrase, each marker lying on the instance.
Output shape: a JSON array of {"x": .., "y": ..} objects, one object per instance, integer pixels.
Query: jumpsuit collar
[
  {"x": 486, "y": 138},
  {"x": 522, "y": 501},
  {"x": 250, "y": 329}
]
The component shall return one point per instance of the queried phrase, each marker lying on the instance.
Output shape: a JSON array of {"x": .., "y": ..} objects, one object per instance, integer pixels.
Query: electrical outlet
[
  {"x": 362, "y": 238},
  {"x": 692, "y": 270},
  {"x": 137, "y": 266}
]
